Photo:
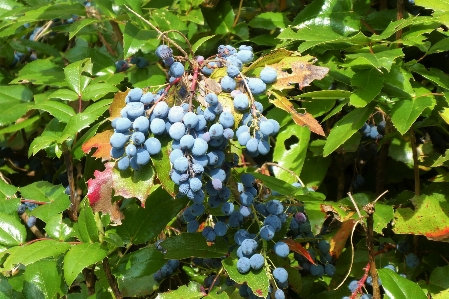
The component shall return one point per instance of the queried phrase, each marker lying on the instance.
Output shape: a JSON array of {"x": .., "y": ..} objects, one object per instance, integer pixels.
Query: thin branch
[
  {"x": 288, "y": 170},
  {"x": 400, "y": 15},
  {"x": 111, "y": 279},
  {"x": 73, "y": 210},
  {"x": 415, "y": 162},
  {"x": 238, "y": 14}
]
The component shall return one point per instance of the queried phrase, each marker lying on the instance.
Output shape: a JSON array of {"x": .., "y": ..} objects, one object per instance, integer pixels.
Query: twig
[
  {"x": 400, "y": 15},
  {"x": 111, "y": 279},
  {"x": 356, "y": 208},
  {"x": 368, "y": 26},
  {"x": 89, "y": 275},
  {"x": 73, "y": 210},
  {"x": 166, "y": 38},
  {"x": 34, "y": 228},
  {"x": 361, "y": 283},
  {"x": 415, "y": 162},
  {"x": 288, "y": 170},
  {"x": 238, "y": 14},
  {"x": 183, "y": 36},
  {"x": 352, "y": 256}
]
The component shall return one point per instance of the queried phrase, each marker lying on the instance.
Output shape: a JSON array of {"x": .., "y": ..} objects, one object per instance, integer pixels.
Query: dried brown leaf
[
  {"x": 117, "y": 104},
  {"x": 301, "y": 73},
  {"x": 302, "y": 119}
]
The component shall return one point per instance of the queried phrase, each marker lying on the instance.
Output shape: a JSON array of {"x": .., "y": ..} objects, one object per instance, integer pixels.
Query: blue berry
[
  {"x": 117, "y": 152},
  {"x": 142, "y": 157},
  {"x": 141, "y": 124},
  {"x": 267, "y": 232},
  {"x": 157, "y": 126},
  {"x": 220, "y": 228},
  {"x": 227, "y": 208},
  {"x": 243, "y": 265},
  {"x": 268, "y": 75},
  {"x": 257, "y": 261},
  {"x": 199, "y": 147},
  {"x": 131, "y": 150},
  {"x": 412, "y": 260},
  {"x": 138, "y": 138},
  {"x": 241, "y": 102},
  {"x": 31, "y": 221},
  {"x": 190, "y": 119},
  {"x": 177, "y": 130},
  {"x": 122, "y": 124},
  {"x": 330, "y": 270},
  {"x": 317, "y": 270},
  {"x": 135, "y": 109},
  {"x": 175, "y": 114},
  {"x": 118, "y": 140},
  {"x": 161, "y": 110},
  {"x": 193, "y": 226},
  {"x": 280, "y": 275},
  {"x": 245, "y": 56},
  {"x": 281, "y": 249},
  {"x": 181, "y": 164},
  {"x": 228, "y": 84},
  {"x": 135, "y": 94},
  {"x": 176, "y": 69},
  {"x": 163, "y": 52}
]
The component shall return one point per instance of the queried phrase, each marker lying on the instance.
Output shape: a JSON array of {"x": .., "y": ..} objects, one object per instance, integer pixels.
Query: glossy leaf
[
  {"x": 133, "y": 183},
  {"x": 59, "y": 110},
  {"x": 369, "y": 83},
  {"x": 57, "y": 228},
  {"x": 31, "y": 253},
  {"x": 95, "y": 92},
  {"x": 14, "y": 103},
  {"x": 270, "y": 21},
  {"x": 79, "y": 257},
  {"x": 74, "y": 75},
  {"x": 162, "y": 166},
  {"x": 140, "y": 263},
  {"x": 12, "y": 232},
  {"x": 398, "y": 287},
  {"x": 275, "y": 184},
  {"x": 191, "y": 291},
  {"x": 346, "y": 127},
  {"x": 143, "y": 224},
  {"x": 405, "y": 112},
  {"x": 43, "y": 280},
  {"x": 87, "y": 228}
]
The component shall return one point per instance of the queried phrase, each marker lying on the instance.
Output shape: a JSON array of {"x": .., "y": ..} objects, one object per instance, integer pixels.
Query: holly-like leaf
[
  {"x": 133, "y": 183},
  {"x": 298, "y": 248},
  {"x": 58, "y": 229},
  {"x": 275, "y": 184},
  {"x": 416, "y": 222},
  {"x": 187, "y": 245},
  {"x": 43, "y": 280},
  {"x": 31, "y": 253},
  {"x": 87, "y": 228},
  {"x": 301, "y": 73},
  {"x": 162, "y": 166},
  {"x": 79, "y": 257},
  {"x": 143, "y": 224},
  {"x": 369, "y": 83},
  {"x": 12, "y": 232},
  {"x": 140, "y": 263},
  {"x": 269, "y": 59},
  {"x": 100, "y": 194},
  {"x": 302, "y": 119},
  {"x": 398, "y": 287},
  {"x": 405, "y": 112},
  {"x": 74, "y": 75},
  {"x": 101, "y": 142}
]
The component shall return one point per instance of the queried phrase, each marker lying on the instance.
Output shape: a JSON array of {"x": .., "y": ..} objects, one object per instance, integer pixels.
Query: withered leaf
[
  {"x": 298, "y": 248},
  {"x": 117, "y": 104},
  {"x": 101, "y": 142},
  {"x": 271, "y": 58},
  {"x": 302, "y": 119},
  {"x": 302, "y": 73}
]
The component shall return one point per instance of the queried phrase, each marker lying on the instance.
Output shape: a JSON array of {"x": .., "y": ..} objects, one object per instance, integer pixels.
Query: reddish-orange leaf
[
  {"x": 99, "y": 193},
  {"x": 101, "y": 142},
  {"x": 117, "y": 104},
  {"x": 298, "y": 248},
  {"x": 338, "y": 242},
  {"x": 302, "y": 119},
  {"x": 301, "y": 73}
]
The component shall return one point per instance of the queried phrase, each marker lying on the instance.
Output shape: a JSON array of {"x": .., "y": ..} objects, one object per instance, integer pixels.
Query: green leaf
[
  {"x": 133, "y": 183},
  {"x": 96, "y": 91},
  {"x": 87, "y": 227},
  {"x": 51, "y": 134},
  {"x": 9, "y": 206},
  {"x": 384, "y": 59},
  {"x": 256, "y": 280},
  {"x": 368, "y": 84},
  {"x": 40, "y": 47},
  {"x": 6, "y": 190},
  {"x": 346, "y": 127},
  {"x": 398, "y": 287},
  {"x": 134, "y": 38},
  {"x": 74, "y": 75},
  {"x": 84, "y": 119},
  {"x": 326, "y": 94},
  {"x": 12, "y": 232},
  {"x": 292, "y": 155},
  {"x": 269, "y": 21},
  {"x": 6, "y": 291},
  {"x": 435, "y": 207},
  {"x": 47, "y": 211},
  {"x": 64, "y": 94},
  {"x": 14, "y": 103},
  {"x": 405, "y": 112},
  {"x": 137, "y": 287},
  {"x": 336, "y": 110},
  {"x": 80, "y": 24},
  {"x": 435, "y": 75},
  {"x": 79, "y": 257},
  {"x": 43, "y": 191},
  {"x": 335, "y": 14},
  {"x": 191, "y": 291},
  {"x": 187, "y": 245},
  {"x": 53, "y": 11},
  {"x": 27, "y": 123},
  {"x": 433, "y": 4},
  {"x": 439, "y": 277},
  {"x": 43, "y": 280},
  {"x": 440, "y": 46},
  {"x": 162, "y": 166},
  {"x": 41, "y": 71},
  {"x": 221, "y": 18},
  {"x": 61, "y": 111},
  {"x": 399, "y": 79},
  {"x": 384, "y": 214},
  {"x": 143, "y": 224},
  {"x": 275, "y": 184},
  {"x": 31, "y": 253},
  {"x": 56, "y": 228},
  {"x": 140, "y": 263},
  {"x": 201, "y": 41}
]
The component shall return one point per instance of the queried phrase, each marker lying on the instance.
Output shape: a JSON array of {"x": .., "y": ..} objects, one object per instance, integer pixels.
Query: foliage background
[{"x": 386, "y": 63}]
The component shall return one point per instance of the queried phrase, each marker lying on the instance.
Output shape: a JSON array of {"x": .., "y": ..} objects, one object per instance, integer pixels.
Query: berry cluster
[
  {"x": 372, "y": 131},
  {"x": 166, "y": 270},
  {"x": 130, "y": 142}
]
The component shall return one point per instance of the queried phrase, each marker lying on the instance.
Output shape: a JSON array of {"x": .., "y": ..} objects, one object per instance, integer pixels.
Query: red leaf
[
  {"x": 99, "y": 193},
  {"x": 338, "y": 242},
  {"x": 296, "y": 247}
]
